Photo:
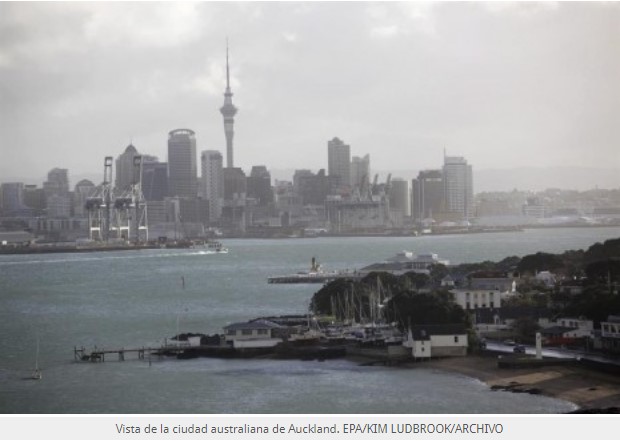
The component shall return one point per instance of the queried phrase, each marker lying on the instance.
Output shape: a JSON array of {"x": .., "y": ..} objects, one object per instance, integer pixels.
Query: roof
[
  {"x": 423, "y": 332},
  {"x": 556, "y": 330},
  {"x": 255, "y": 324}
]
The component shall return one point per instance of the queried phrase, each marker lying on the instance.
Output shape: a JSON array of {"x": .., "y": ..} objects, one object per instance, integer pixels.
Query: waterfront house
[
  {"x": 567, "y": 330},
  {"x": 432, "y": 341},
  {"x": 254, "y": 334},
  {"x": 610, "y": 334}
]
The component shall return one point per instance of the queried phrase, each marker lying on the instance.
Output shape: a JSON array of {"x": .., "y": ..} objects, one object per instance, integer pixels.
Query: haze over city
[{"x": 504, "y": 85}]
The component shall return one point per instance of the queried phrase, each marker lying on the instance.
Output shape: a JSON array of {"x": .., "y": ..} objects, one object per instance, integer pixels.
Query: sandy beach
[{"x": 586, "y": 388}]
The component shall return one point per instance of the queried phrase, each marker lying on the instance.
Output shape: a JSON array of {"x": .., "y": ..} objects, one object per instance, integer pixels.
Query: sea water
[{"x": 138, "y": 298}]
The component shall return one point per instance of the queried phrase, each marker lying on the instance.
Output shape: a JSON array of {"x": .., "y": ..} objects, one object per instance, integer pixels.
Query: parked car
[{"x": 519, "y": 349}]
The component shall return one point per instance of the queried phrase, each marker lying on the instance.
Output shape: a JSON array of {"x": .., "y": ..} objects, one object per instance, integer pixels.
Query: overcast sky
[{"x": 505, "y": 85}]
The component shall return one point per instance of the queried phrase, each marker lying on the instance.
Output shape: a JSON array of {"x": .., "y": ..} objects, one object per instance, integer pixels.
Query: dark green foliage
[
  {"x": 424, "y": 308},
  {"x": 603, "y": 271},
  {"x": 603, "y": 251},
  {"x": 533, "y": 263},
  {"x": 595, "y": 303},
  {"x": 525, "y": 329}
]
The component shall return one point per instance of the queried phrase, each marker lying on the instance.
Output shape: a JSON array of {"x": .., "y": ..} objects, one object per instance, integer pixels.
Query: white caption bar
[{"x": 304, "y": 427}]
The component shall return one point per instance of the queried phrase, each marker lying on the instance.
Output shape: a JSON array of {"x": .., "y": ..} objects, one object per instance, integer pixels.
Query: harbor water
[{"x": 137, "y": 298}]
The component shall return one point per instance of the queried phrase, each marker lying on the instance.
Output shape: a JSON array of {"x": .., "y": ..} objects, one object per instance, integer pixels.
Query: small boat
[{"x": 217, "y": 247}]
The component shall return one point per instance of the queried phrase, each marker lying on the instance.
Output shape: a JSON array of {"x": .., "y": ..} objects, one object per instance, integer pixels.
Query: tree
[{"x": 533, "y": 263}]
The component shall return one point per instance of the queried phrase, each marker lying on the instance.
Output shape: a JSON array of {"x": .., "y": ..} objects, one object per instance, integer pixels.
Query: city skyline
[{"x": 416, "y": 89}]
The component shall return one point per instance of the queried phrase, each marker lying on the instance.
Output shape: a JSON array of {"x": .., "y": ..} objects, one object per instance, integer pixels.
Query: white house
[
  {"x": 478, "y": 298},
  {"x": 428, "y": 341},
  {"x": 254, "y": 334}
]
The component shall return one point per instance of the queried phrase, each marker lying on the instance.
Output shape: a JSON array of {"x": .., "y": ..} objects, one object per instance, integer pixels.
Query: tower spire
[
  {"x": 227, "y": 70},
  {"x": 228, "y": 111}
]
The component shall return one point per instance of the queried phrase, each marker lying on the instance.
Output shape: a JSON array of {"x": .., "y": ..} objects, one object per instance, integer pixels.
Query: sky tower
[{"x": 228, "y": 111}]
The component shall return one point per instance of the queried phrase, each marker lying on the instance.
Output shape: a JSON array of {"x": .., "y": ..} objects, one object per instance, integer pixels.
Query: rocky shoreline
[{"x": 592, "y": 391}]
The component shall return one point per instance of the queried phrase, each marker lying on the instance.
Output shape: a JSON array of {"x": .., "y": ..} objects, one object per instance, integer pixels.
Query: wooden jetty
[{"x": 99, "y": 355}]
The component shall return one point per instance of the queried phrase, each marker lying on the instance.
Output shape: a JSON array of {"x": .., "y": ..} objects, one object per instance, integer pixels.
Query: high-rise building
[
  {"x": 82, "y": 191},
  {"x": 360, "y": 172},
  {"x": 182, "y": 178},
  {"x": 259, "y": 185},
  {"x": 213, "y": 182},
  {"x": 154, "y": 180},
  {"x": 57, "y": 197},
  {"x": 427, "y": 195},
  {"x": 399, "y": 196},
  {"x": 34, "y": 198},
  {"x": 228, "y": 111},
  {"x": 458, "y": 187},
  {"x": 57, "y": 182},
  {"x": 312, "y": 188},
  {"x": 339, "y": 164},
  {"x": 12, "y": 197},
  {"x": 124, "y": 168}
]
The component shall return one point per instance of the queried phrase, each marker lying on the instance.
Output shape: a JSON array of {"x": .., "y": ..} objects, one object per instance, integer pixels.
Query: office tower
[
  {"x": 339, "y": 164},
  {"x": 124, "y": 169},
  {"x": 57, "y": 195},
  {"x": 57, "y": 182},
  {"x": 399, "y": 196},
  {"x": 235, "y": 185},
  {"x": 154, "y": 180},
  {"x": 34, "y": 198},
  {"x": 12, "y": 197},
  {"x": 83, "y": 190},
  {"x": 427, "y": 195},
  {"x": 311, "y": 188},
  {"x": 213, "y": 182},
  {"x": 458, "y": 187},
  {"x": 182, "y": 179},
  {"x": 259, "y": 185},
  {"x": 228, "y": 111},
  {"x": 360, "y": 173}
]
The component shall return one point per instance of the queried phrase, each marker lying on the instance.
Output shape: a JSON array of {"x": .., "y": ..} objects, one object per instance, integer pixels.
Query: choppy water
[{"x": 134, "y": 298}]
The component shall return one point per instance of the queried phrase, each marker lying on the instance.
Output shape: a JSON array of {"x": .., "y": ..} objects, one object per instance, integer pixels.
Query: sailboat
[{"x": 37, "y": 374}]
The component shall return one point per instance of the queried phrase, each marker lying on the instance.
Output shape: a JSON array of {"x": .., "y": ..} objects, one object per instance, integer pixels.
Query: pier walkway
[{"x": 99, "y": 355}]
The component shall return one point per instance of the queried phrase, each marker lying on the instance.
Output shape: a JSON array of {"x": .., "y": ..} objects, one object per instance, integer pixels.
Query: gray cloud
[{"x": 506, "y": 84}]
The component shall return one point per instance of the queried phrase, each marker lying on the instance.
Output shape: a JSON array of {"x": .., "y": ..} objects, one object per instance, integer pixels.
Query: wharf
[{"x": 99, "y": 355}]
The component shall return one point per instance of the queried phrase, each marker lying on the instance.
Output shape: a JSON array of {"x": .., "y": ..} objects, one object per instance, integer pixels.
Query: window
[
  {"x": 262, "y": 332},
  {"x": 456, "y": 339},
  {"x": 246, "y": 332},
  {"x": 491, "y": 305},
  {"x": 231, "y": 332}
]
